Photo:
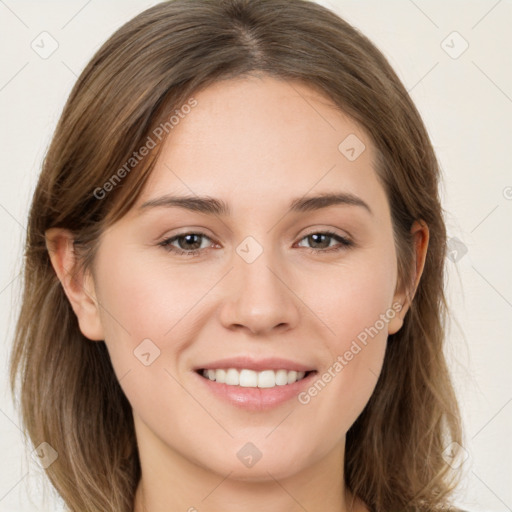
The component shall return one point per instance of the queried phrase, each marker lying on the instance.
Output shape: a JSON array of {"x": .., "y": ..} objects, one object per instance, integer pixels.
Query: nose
[{"x": 259, "y": 296}]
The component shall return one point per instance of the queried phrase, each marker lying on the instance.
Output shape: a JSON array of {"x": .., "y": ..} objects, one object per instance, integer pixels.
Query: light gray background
[{"x": 466, "y": 103}]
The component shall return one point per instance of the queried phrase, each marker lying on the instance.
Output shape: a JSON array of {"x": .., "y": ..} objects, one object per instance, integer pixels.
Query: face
[{"x": 277, "y": 282}]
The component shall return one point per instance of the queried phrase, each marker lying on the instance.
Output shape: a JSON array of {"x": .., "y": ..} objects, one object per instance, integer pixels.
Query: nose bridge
[{"x": 259, "y": 298}]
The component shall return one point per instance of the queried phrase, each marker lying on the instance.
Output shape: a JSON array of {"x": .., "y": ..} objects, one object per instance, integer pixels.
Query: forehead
[{"x": 256, "y": 137}]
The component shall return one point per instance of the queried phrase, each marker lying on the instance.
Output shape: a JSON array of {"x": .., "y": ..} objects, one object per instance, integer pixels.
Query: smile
[{"x": 253, "y": 379}]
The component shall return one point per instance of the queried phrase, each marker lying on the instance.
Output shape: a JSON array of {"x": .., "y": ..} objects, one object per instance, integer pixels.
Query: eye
[
  {"x": 321, "y": 242},
  {"x": 189, "y": 244}
]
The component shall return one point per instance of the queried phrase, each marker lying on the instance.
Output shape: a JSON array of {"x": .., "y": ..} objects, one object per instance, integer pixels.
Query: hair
[{"x": 69, "y": 394}]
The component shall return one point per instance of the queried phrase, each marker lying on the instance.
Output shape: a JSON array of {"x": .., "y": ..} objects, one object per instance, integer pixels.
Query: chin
[{"x": 274, "y": 465}]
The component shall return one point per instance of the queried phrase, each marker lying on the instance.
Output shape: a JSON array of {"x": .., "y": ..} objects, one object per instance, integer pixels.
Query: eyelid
[
  {"x": 344, "y": 242},
  {"x": 191, "y": 230},
  {"x": 330, "y": 230},
  {"x": 203, "y": 231},
  {"x": 166, "y": 240}
]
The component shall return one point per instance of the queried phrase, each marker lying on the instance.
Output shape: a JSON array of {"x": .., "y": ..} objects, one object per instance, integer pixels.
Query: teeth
[{"x": 252, "y": 379}]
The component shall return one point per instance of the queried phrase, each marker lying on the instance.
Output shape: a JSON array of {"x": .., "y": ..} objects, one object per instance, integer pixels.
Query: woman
[{"x": 234, "y": 274}]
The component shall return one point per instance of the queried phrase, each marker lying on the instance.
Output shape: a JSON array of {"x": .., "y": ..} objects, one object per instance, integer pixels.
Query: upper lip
[{"x": 249, "y": 363}]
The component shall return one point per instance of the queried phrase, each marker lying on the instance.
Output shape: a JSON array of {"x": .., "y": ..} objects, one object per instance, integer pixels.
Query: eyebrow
[{"x": 210, "y": 205}]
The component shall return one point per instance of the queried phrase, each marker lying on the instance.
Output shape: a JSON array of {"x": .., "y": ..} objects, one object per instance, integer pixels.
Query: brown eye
[
  {"x": 321, "y": 241},
  {"x": 191, "y": 241},
  {"x": 186, "y": 243}
]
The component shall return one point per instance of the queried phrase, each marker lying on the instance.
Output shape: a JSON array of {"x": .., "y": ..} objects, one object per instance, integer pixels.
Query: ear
[
  {"x": 77, "y": 284},
  {"x": 420, "y": 233}
]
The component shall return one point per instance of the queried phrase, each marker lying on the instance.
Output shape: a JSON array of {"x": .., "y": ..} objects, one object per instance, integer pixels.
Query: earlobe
[
  {"x": 395, "y": 324},
  {"x": 77, "y": 284},
  {"x": 420, "y": 233}
]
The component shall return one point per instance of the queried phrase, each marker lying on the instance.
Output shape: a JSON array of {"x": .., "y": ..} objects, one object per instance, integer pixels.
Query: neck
[
  {"x": 349, "y": 503},
  {"x": 172, "y": 482}
]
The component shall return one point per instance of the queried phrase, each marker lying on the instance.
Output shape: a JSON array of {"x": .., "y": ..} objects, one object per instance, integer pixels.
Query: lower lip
[{"x": 256, "y": 399}]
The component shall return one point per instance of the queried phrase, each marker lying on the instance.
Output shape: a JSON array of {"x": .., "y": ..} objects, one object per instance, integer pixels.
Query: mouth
[
  {"x": 247, "y": 378},
  {"x": 254, "y": 384},
  {"x": 254, "y": 390}
]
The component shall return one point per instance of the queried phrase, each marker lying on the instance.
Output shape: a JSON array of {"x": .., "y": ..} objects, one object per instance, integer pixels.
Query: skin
[{"x": 289, "y": 302}]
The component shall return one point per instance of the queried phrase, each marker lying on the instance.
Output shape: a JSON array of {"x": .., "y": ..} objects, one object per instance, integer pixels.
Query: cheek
[
  {"x": 356, "y": 296},
  {"x": 357, "y": 308},
  {"x": 144, "y": 315},
  {"x": 149, "y": 314},
  {"x": 142, "y": 300}
]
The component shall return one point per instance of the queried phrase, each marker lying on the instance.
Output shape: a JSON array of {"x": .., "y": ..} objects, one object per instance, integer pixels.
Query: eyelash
[{"x": 345, "y": 243}]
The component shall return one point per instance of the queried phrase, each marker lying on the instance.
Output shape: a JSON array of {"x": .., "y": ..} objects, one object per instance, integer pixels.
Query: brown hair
[{"x": 70, "y": 396}]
